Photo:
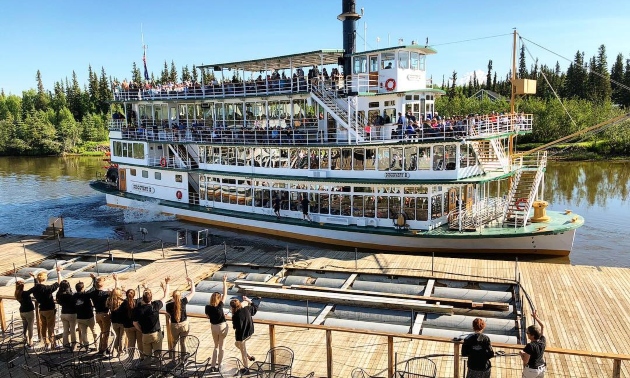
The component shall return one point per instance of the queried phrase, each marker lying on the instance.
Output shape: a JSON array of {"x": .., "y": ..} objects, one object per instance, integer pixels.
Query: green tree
[
  {"x": 172, "y": 77},
  {"x": 599, "y": 77},
  {"x": 104, "y": 95},
  {"x": 164, "y": 75},
  {"x": 489, "y": 75},
  {"x": 576, "y": 80},
  {"x": 136, "y": 77},
  {"x": 625, "y": 99},
  {"x": 195, "y": 76},
  {"x": 616, "y": 76},
  {"x": 452, "y": 92},
  {"x": 29, "y": 98},
  {"x": 185, "y": 74},
  {"x": 522, "y": 64},
  {"x": 43, "y": 99},
  {"x": 92, "y": 90}
]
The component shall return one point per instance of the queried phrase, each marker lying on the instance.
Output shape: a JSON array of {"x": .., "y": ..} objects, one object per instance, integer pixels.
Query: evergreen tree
[
  {"x": 43, "y": 99},
  {"x": 136, "y": 76},
  {"x": 92, "y": 90},
  {"x": 576, "y": 80},
  {"x": 59, "y": 99},
  {"x": 489, "y": 75},
  {"x": 104, "y": 93},
  {"x": 185, "y": 74},
  {"x": 625, "y": 99},
  {"x": 451, "y": 92},
  {"x": 522, "y": 64},
  {"x": 173, "y": 73},
  {"x": 194, "y": 75},
  {"x": 494, "y": 82},
  {"x": 601, "y": 80},
  {"x": 164, "y": 74},
  {"x": 616, "y": 75}
]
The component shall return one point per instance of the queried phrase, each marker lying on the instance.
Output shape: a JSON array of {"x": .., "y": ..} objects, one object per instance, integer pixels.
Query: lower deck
[{"x": 584, "y": 308}]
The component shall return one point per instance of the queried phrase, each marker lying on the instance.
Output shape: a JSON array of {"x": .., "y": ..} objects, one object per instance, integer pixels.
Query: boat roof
[{"x": 305, "y": 59}]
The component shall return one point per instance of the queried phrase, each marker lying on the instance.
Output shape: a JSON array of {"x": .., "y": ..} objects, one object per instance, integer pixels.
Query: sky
[{"x": 57, "y": 37}]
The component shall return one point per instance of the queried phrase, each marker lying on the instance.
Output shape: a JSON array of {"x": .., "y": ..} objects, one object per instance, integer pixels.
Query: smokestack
[{"x": 349, "y": 17}]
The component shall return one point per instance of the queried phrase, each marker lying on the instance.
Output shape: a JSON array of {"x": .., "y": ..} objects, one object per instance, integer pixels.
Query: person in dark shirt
[
  {"x": 114, "y": 303},
  {"x": 218, "y": 325},
  {"x": 44, "y": 296},
  {"x": 533, "y": 353},
  {"x": 305, "y": 202},
  {"x": 276, "y": 206},
  {"x": 176, "y": 309},
  {"x": 99, "y": 300},
  {"x": 243, "y": 325},
  {"x": 65, "y": 298},
  {"x": 85, "y": 314},
  {"x": 146, "y": 319},
  {"x": 27, "y": 311},
  {"x": 134, "y": 336},
  {"x": 479, "y": 351}
]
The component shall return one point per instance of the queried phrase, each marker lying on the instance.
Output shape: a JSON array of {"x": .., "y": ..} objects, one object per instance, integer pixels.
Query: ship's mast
[{"x": 512, "y": 99}]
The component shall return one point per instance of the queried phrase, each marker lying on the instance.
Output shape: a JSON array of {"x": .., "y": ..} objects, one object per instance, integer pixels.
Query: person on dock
[
  {"x": 27, "y": 311},
  {"x": 305, "y": 203},
  {"x": 65, "y": 299},
  {"x": 99, "y": 296},
  {"x": 478, "y": 349},
  {"x": 114, "y": 303},
  {"x": 134, "y": 336},
  {"x": 243, "y": 326},
  {"x": 85, "y": 313},
  {"x": 146, "y": 319},
  {"x": 44, "y": 296},
  {"x": 218, "y": 325},
  {"x": 176, "y": 309},
  {"x": 533, "y": 353}
]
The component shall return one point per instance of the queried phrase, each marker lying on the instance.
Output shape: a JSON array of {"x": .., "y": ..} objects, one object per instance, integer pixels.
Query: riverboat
[{"x": 351, "y": 138}]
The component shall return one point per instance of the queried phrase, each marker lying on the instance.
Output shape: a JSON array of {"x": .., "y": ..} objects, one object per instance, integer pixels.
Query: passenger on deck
[
  {"x": 65, "y": 298},
  {"x": 27, "y": 311},
  {"x": 243, "y": 326},
  {"x": 176, "y": 309},
  {"x": 146, "y": 319},
  {"x": 533, "y": 353},
  {"x": 218, "y": 325},
  {"x": 478, "y": 349},
  {"x": 44, "y": 296}
]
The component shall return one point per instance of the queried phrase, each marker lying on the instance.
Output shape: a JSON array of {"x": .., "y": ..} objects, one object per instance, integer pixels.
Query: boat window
[
  {"x": 335, "y": 158},
  {"x": 360, "y": 64},
  {"x": 125, "y": 150},
  {"x": 358, "y": 159},
  {"x": 396, "y": 162},
  {"x": 411, "y": 159},
  {"x": 387, "y": 60},
  {"x": 178, "y": 178},
  {"x": 424, "y": 158},
  {"x": 132, "y": 172},
  {"x": 394, "y": 207},
  {"x": 415, "y": 63},
  {"x": 421, "y": 60},
  {"x": 145, "y": 174},
  {"x": 313, "y": 158},
  {"x": 436, "y": 206},
  {"x": 383, "y": 159},
  {"x": 438, "y": 158},
  {"x": 450, "y": 157},
  {"x": 390, "y": 115},
  {"x": 158, "y": 175},
  {"x": 314, "y": 198},
  {"x": 422, "y": 208},
  {"x": 324, "y": 204},
  {"x": 374, "y": 104},
  {"x": 373, "y": 63},
  {"x": 357, "y": 206},
  {"x": 294, "y": 201},
  {"x": 241, "y": 156},
  {"x": 117, "y": 148},
  {"x": 403, "y": 59},
  {"x": 382, "y": 207},
  {"x": 370, "y": 158},
  {"x": 346, "y": 159},
  {"x": 323, "y": 158},
  {"x": 369, "y": 202}
]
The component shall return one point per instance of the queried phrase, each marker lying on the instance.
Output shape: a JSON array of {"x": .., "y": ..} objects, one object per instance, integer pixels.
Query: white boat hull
[{"x": 508, "y": 241}]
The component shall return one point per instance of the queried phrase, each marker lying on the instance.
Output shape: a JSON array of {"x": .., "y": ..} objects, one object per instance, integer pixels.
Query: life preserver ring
[
  {"x": 390, "y": 85},
  {"x": 178, "y": 194},
  {"x": 519, "y": 203},
  {"x": 163, "y": 161}
]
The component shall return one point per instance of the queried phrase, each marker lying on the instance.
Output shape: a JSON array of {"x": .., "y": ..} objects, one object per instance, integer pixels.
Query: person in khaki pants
[
  {"x": 134, "y": 336},
  {"x": 27, "y": 311},
  {"x": 67, "y": 301},
  {"x": 44, "y": 296},
  {"x": 99, "y": 300},
  {"x": 146, "y": 319},
  {"x": 85, "y": 313},
  {"x": 176, "y": 310}
]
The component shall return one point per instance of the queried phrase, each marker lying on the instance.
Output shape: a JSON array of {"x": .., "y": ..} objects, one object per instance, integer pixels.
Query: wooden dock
[{"x": 585, "y": 308}]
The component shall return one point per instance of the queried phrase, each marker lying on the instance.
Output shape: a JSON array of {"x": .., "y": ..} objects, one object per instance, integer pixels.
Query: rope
[{"x": 470, "y": 40}]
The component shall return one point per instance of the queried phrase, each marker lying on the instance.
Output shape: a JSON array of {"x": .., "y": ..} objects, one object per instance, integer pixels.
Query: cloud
[{"x": 468, "y": 77}]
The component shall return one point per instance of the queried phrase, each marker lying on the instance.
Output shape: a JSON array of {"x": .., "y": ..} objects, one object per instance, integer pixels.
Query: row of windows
[
  {"x": 406, "y": 60},
  {"x": 129, "y": 150},
  {"x": 411, "y": 158},
  {"x": 356, "y": 201},
  {"x": 156, "y": 175}
]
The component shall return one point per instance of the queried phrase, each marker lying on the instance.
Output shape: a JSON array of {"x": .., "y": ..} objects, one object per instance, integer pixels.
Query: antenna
[{"x": 378, "y": 39}]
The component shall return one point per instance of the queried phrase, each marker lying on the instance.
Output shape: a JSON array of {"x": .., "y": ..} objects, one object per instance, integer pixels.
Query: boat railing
[
  {"x": 481, "y": 213},
  {"x": 225, "y": 89}
]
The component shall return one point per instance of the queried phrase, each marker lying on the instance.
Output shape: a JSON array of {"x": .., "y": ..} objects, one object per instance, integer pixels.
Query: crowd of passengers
[
  {"x": 276, "y": 81},
  {"x": 427, "y": 127}
]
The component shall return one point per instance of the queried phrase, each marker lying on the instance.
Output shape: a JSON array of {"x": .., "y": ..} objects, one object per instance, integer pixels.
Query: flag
[{"x": 144, "y": 60}]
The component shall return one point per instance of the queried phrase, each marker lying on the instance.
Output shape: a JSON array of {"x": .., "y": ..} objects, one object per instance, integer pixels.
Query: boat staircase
[
  {"x": 524, "y": 189},
  {"x": 186, "y": 158},
  {"x": 491, "y": 155},
  {"x": 343, "y": 110}
]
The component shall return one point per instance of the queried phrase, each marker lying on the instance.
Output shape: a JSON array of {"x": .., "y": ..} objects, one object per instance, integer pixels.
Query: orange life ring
[
  {"x": 178, "y": 194},
  {"x": 519, "y": 202},
  {"x": 390, "y": 85},
  {"x": 163, "y": 161}
]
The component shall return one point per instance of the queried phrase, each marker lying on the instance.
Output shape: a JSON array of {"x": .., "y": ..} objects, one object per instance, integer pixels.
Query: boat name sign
[
  {"x": 143, "y": 188},
  {"x": 397, "y": 175}
]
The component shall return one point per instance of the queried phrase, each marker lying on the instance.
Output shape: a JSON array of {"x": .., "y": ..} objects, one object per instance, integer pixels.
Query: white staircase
[
  {"x": 491, "y": 154},
  {"x": 344, "y": 111},
  {"x": 524, "y": 189}
]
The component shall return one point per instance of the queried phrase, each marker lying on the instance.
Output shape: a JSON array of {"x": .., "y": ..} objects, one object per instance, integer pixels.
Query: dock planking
[{"x": 584, "y": 308}]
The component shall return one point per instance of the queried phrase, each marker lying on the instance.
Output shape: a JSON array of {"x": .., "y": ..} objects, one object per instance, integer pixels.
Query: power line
[{"x": 472, "y": 39}]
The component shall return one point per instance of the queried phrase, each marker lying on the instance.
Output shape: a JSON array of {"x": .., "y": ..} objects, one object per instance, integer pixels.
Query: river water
[{"x": 35, "y": 189}]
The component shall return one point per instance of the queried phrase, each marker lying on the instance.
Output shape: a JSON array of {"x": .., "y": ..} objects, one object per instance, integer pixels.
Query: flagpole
[{"x": 144, "y": 55}]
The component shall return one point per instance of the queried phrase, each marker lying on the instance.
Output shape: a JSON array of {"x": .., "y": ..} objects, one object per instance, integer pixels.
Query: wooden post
[
  {"x": 329, "y": 354},
  {"x": 3, "y": 320},
  {"x": 456, "y": 359},
  {"x": 272, "y": 336},
  {"x": 169, "y": 334},
  {"x": 390, "y": 356},
  {"x": 616, "y": 368}
]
